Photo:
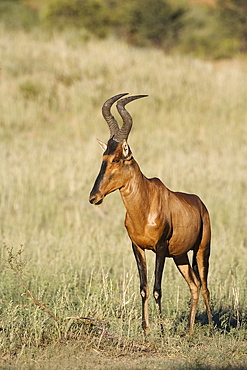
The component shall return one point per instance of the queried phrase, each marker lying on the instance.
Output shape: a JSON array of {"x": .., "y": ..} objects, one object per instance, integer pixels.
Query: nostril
[{"x": 92, "y": 200}]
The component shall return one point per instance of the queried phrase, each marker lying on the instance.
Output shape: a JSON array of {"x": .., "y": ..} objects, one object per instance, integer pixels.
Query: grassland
[{"x": 77, "y": 260}]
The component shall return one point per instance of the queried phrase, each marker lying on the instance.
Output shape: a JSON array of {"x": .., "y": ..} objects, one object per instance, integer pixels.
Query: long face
[
  {"x": 114, "y": 171},
  {"x": 117, "y": 158}
]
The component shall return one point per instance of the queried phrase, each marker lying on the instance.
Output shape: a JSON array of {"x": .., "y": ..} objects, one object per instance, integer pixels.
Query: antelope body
[{"x": 166, "y": 222}]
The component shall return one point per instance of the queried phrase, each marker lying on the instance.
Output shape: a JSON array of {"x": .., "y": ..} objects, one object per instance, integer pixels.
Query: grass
[{"x": 77, "y": 260}]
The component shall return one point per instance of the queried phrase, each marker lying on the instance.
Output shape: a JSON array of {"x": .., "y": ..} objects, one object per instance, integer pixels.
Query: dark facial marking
[
  {"x": 99, "y": 178},
  {"x": 111, "y": 147}
]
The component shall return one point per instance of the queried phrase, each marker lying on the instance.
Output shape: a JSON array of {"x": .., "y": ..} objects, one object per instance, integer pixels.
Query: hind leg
[
  {"x": 202, "y": 261},
  {"x": 182, "y": 263}
]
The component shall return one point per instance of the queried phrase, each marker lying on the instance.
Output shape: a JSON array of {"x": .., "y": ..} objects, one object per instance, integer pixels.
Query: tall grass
[{"x": 191, "y": 132}]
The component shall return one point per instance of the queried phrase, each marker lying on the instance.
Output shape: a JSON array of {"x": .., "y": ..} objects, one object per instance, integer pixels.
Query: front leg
[
  {"x": 144, "y": 291},
  {"x": 159, "y": 266}
]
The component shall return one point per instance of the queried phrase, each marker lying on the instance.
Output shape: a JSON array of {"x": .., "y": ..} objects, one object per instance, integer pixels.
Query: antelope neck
[{"x": 134, "y": 193}]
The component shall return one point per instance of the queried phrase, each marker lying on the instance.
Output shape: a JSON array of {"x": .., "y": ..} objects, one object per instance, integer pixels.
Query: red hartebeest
[{"x": 166, "y": 222}]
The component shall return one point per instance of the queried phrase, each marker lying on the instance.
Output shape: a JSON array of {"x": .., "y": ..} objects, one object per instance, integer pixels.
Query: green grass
[{"x": 191, "y": 132}]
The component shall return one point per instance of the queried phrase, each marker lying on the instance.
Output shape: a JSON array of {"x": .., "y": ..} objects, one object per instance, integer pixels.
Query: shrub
[
  {"x": 146, "y": 22},
  {"x": 18, "y": 14},
  {"x": 86, "y": 14},
  {"x": 205, "y": 36},
  {"x": 156, "y": 23},
  {"x": 233, "y": 16}
]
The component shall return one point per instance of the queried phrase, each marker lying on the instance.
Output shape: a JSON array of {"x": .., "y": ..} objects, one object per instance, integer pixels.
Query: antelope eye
[{"x": 116, "y": 160}]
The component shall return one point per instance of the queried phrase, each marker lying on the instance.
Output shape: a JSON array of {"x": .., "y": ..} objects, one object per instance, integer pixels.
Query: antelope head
[{"x": 117, "y": 156}]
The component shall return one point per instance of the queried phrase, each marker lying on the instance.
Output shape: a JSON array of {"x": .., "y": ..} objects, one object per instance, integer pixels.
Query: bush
[
  {"x": 86, "y": 14},
  {"x": 155, "y": 23},
  {"x": 204, "y": 35},
  {"x": 146, "y": 22},
  {"x": 18, "y": 14},
  {"x": 233, "y": 16}
]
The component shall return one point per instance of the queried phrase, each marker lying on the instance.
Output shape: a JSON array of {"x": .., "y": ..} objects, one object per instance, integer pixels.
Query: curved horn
[
  {"x": 123, "y": 133},
  {"x": 106, "y": 112}
]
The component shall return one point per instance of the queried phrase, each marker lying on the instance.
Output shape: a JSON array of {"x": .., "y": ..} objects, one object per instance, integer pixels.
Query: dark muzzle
[{"x": 93, "y": 200}]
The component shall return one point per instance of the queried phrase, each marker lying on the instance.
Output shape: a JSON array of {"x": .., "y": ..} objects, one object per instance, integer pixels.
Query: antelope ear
[
  {"x": 126, "y": 149},
  {"x": 102, "y": 145}
]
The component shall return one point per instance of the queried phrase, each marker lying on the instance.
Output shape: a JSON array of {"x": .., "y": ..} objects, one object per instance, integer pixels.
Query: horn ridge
[
  {"x": 123, "y": 133},
  {"x": 109, "y": 118}
]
